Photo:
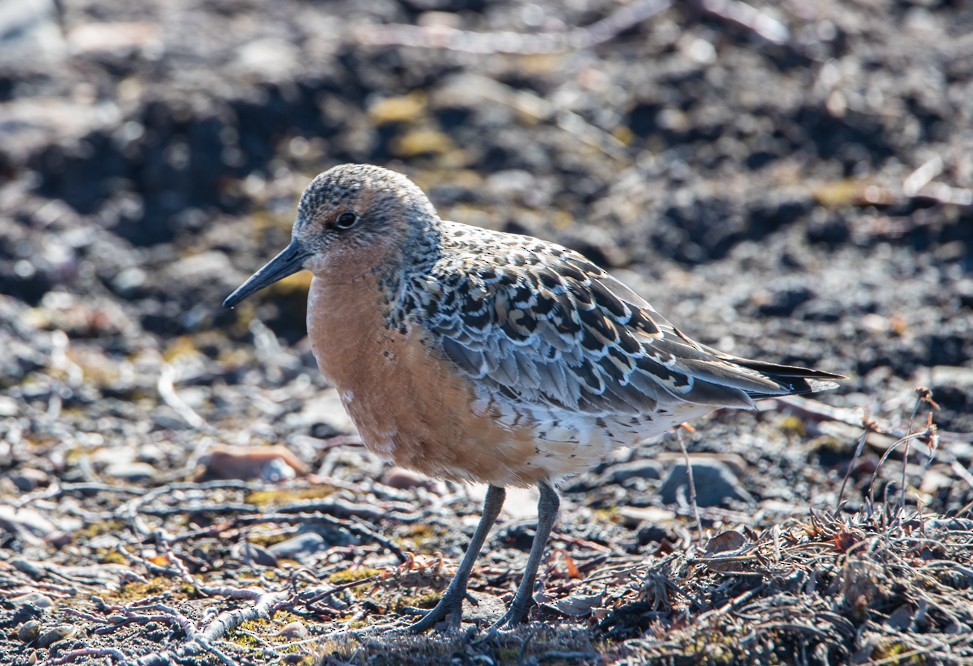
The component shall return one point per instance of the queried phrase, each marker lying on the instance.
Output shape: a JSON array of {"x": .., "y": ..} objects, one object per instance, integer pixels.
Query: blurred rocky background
[{"x": 787, "y": 180}]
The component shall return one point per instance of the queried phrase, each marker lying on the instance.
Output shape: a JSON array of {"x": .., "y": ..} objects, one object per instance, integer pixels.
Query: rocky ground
[{"x": 790, "y": 181}]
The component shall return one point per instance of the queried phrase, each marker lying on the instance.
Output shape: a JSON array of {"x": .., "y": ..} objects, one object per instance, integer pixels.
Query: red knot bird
[{"x": 475, "y": 355}]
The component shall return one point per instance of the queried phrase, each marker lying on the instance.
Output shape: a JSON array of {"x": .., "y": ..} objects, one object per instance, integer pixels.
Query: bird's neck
[
  {"x": 415, "y": 257},
  {"x": 347, "y": 301},
  {"x": 342, "y": 318}
]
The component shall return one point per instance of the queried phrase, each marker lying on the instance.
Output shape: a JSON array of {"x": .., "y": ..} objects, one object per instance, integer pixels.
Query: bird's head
[{"x": 351, "y": 219}]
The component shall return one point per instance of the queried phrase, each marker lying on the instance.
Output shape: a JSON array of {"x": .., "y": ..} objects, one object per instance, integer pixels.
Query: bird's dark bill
[{"x": 288, "y": 262}]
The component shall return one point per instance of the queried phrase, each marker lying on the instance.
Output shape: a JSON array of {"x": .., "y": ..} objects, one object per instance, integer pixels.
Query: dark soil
[{"x": 790, "y": 181}]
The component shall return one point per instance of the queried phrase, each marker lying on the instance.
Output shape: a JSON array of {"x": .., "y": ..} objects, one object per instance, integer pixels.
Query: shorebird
[{"x": 475, "y": 355}]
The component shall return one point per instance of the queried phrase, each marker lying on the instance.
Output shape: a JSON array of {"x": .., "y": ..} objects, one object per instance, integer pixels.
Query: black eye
[{"x": 346, "y": 221}]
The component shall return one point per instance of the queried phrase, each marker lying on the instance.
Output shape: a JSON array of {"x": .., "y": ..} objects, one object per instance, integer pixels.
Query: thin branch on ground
[
  {"x": 692, "y": 483},
  {"x": 573, "y": 39},
  {"x": 86, "y": 653}
]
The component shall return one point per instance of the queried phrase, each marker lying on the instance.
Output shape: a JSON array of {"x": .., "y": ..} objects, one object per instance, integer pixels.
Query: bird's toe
[{"x": 445, "y": 617}]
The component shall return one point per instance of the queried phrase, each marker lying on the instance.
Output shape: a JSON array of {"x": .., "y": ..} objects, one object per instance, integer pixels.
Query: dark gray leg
[
  {"x": 450, "y": 606},
  {"x": 546, "y": 515}
]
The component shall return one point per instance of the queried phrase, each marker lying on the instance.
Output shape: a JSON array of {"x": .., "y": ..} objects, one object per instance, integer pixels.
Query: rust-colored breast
[{"x": 408, "y": 403}]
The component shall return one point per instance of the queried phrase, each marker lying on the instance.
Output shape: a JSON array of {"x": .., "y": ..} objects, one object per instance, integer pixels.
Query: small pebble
[
  {"x": 276, "y": 470},
  {"x": 29, "y": 631},
  {"x": 132, "y": 472},
  {"x": 28, "y": 523},
  {"x": 35, "y": 599},
  {"x": 29, "y": 478},
  {"x": 640, "y": 469},
  {"x": 253, "y": 554},
  {"x": 32, "y": 569},
  {"x": 8, "y": 406},
  {"x": 725, "y": 542},
  {"x": 294, "y": 631},
  {"x": 299, "y": 546},
  {"x": 404, "y": 479},
  {"x": 58, "y": 633}
]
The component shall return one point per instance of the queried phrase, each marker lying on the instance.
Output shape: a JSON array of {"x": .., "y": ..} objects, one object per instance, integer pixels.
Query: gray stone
[
  {"x": 29, "y": 631},
  {"x": 58, "y": 633},
  {"x": 28, "y": 28},
  {"x": 8, "y": 406},
  {"x": 276, "y": 471},
  {"x": 714, "y": 482},
  {"x": 35, "y": 570},
  {"x": 252, "y": 553},
  {"x": 637, "y": 469},
  {"x": 131, "y": 471},
  {"x": 294, "y": 631},
  {"x": 268, "y": 59},
  {"x": 27, "y": 523},
  {"x": 35, "y": 599},
  {"x": 29, "y": 478},
  {"x": 299, "y": 546}
]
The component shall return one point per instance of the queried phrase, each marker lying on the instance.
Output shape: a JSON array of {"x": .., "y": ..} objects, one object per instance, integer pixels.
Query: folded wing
[{"x": 550, "y": 327}]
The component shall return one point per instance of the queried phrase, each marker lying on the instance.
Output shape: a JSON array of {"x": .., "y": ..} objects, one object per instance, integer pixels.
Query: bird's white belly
[{"x": 568, "y": 442}]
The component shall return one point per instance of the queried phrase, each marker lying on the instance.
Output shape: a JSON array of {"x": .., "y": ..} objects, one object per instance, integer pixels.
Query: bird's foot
[
  {"x": 446, "y": 616},
  {"x": 515, "y": 616}
]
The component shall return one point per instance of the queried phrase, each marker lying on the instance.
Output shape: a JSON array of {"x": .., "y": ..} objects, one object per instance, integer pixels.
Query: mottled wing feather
[{"x": 541, "y": 324}]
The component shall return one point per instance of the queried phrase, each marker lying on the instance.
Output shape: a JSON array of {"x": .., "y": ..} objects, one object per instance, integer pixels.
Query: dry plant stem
[
  {"x": 224, "y": 658},
  {"x": 854, "y": 460},
  {"x": 966, "y": 476},
  {"x": 132, "y": 510},
  {"x": 175, "y": 616},
  {"x": 230, "y": 620},
  {"x": 356, "y": 528},
  {"x": 337, "y": 509},
  {"x": 224, "y": 623},
  {"x": 962, "y": 473},
  {"x": 919, "y": 184},
  {"x": 167, "y": 391},
  {"x": 905, "y": 455},
  {"x": 922, "y": 176},
  {"x": 149, "y": 566},
  {"x": 748, "y": 17},
  {"x": 340, "y": 509},
  {"x": 871, "y": 482},
  {"x": 922, "y": 395},
  {"x": 574, "y": 39},
  {"x": 853, "y": 417},
  {"x": 692, "y": 483},
  {"x": 310, "y": 597},
  {"x": 122, "y": 616},
  {"x": 86, "y": 653}
]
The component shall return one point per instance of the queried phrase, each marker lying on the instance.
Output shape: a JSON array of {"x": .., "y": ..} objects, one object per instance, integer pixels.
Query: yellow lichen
[
  {"x": 352, "y": 575},
  {"x": 397, "y": 109},
  {"x": 421, "y": 142},
  {"x": 263, "y": 498},
  {"x": 793, "y": 424},
  {"x": 896, "y": 653},
  {"x": 104, "y": 527}
]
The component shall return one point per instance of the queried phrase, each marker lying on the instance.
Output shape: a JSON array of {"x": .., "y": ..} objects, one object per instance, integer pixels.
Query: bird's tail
[{"x": 793, "y": 380}]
